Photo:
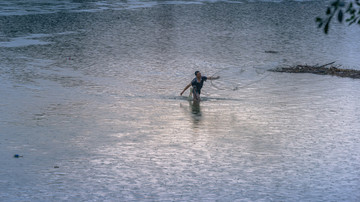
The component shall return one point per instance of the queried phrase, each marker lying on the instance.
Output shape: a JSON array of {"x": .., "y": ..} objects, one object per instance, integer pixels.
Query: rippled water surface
[{"x": 90, "y": 100}]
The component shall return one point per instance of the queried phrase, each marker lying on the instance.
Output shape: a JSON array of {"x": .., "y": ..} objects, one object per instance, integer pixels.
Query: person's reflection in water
[
  {"x": 195, "y": 108},
  {"x": 195, "y": 112}
]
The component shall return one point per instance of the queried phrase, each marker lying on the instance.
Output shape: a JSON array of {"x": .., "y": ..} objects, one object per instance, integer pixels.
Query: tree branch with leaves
[{"x": 340, "y": 9}]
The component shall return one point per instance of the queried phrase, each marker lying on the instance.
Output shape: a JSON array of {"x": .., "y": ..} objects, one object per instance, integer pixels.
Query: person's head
[{"x": 198, "y": 74}]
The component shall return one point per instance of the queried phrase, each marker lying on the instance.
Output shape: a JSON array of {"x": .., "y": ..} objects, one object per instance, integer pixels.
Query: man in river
[{"x": 197, "y": 84}]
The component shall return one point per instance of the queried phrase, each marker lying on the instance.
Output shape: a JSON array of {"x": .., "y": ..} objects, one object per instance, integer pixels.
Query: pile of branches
[{"x": 322, "y": 70}]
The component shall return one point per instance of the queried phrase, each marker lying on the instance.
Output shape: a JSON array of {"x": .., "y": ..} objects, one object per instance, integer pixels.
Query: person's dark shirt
[{"x": 198, "y": 85}]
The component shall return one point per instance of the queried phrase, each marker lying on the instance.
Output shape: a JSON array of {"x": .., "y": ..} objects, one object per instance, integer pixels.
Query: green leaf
[
  {"x": 350, "y": 7},
  {"x": 340, "y": 16},
  {"x": 358, "y": 2},
  {"x": 328, "y": 11},
  {"x": 335, "y": 3}
]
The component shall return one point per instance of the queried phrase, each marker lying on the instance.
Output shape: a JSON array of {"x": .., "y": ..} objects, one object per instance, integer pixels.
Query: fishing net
[{"x": 237, "y": 77}]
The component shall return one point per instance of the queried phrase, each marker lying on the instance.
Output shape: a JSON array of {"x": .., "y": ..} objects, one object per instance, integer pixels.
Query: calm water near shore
[{"x": 90, "y": 99}]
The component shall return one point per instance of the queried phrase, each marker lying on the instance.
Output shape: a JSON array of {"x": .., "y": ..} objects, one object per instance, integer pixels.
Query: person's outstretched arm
[
  {"x": 185, "y": 88},
  {"x": 213, "y": 78}
]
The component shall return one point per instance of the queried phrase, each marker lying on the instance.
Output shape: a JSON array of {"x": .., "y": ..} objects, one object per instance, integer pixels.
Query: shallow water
[{"x": 90, "y": 99}]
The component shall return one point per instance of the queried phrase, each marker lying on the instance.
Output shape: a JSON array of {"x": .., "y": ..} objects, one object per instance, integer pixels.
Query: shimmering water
[{"x": 90, "y": 99}]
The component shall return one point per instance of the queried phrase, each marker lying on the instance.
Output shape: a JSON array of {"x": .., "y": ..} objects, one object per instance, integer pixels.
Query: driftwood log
[{"x": 322, "y": 70}]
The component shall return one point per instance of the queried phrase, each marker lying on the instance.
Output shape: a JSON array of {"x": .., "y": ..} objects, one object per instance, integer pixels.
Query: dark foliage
[{"x": 348, "y": 11}]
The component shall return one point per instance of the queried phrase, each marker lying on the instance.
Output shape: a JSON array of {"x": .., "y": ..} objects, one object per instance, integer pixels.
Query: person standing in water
[{"x": 197, "y": 84}]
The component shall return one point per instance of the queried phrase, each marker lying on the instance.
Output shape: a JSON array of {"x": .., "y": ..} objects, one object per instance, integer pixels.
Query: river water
[{"x": 90, "y": 100}]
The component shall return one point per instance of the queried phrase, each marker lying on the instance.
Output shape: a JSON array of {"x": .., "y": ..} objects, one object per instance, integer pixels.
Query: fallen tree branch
[
  {"x": 322, "y": 70},
  {"x": 326, "y": 64}
]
